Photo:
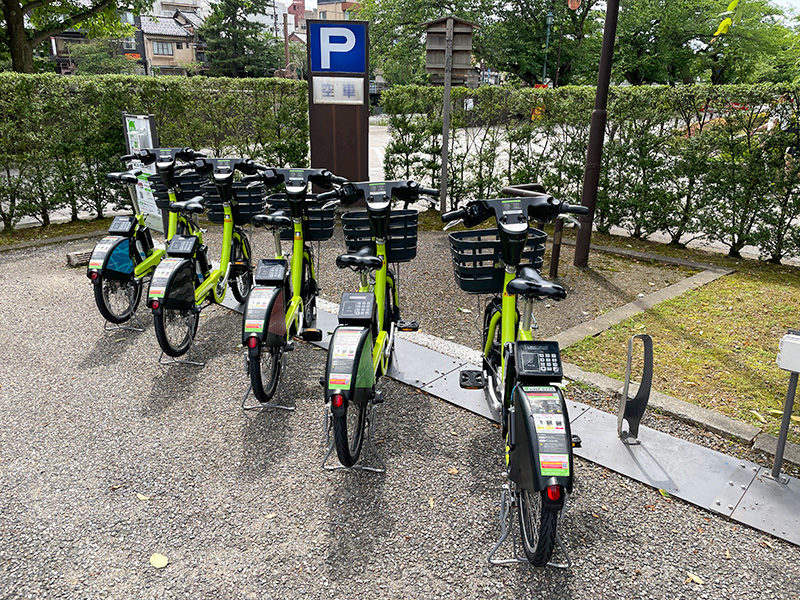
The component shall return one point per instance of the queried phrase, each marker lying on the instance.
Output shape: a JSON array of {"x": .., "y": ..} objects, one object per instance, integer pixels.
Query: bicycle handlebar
[{"x": 124, "y": 176}]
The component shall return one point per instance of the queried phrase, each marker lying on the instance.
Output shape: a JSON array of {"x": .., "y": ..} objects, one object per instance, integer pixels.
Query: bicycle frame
[{"x": 380, "y": 356}]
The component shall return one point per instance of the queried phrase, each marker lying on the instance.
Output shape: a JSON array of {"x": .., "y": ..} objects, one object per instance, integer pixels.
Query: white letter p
[{"x": 327, "y": 46}]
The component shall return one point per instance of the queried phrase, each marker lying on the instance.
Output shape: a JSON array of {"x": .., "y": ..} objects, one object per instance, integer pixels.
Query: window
[
  {"x": 162, "y": 48},
  {"x": 129, "y": 43},
  {"x": 178, "y": 45},
  {"x": 127, "y": 17},
  {"x": 323, "y": 14}
]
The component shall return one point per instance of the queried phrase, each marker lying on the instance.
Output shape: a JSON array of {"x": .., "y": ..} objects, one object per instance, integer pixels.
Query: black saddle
[
  {"x": 275, "y": 219},
  {"x": 360, "y": 260},
  {"x": 529, "y": 282},
  {"x": 193, "y": 205}
]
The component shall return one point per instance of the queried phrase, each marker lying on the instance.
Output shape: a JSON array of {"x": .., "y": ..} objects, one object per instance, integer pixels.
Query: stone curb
[{"x": 54, "y": 240}]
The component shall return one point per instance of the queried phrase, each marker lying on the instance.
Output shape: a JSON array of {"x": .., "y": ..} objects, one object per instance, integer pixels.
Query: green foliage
[
  {"x": 720, "y": 163},
  {"x": 60, "y": 136},
  {"x": 237, "y": 45},
  {"x": 100, "y": 57}
]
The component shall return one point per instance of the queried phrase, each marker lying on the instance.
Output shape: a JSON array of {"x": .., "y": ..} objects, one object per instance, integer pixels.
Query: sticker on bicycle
[
  {"x": 545, "y": 399},
  {"x": 254, "y": 325},
  {"x": 339, "y": 381},
  {"x": 549, "y": 423},
  {"x": 346, "y": 344},
  {"x": 158, "y": 285},
  {"x": 100, "y": 250},
  {"x": 554, "y": 465}
]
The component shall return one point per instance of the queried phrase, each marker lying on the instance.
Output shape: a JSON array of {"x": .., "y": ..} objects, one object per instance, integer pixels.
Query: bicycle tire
[
  {"x": 175, "y": 330},
  {"x": 265, "y": 366},
  {"x": 117, "y": 300},
  {"x": 241, "y": 281},
  {"x": 349, "y": 437},
  {"x": 537, "y": 528}
]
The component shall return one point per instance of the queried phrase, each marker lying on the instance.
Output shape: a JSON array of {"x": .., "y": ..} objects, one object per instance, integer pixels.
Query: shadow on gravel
[
  {"x": 175, "y": 384},
  {"x": 359, "y": 522},
  {"x": 219, "y": 332},
  {"x": 111, "y": 346},
  {"x": 264, "y": 440}
]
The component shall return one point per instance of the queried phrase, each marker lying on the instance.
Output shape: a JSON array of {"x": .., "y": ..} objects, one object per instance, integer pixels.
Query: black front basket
[{"x": 402, "y": 243}]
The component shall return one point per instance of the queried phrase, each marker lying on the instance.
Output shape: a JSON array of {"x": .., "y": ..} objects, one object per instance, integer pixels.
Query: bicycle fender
[
  {"x": 542, "y": 450},
  {"x": 349, "y": 370},
  {"x": 112, "y": 258},
  {"x": 265, "y": 316},
  {"x": 173, "y": 284}
]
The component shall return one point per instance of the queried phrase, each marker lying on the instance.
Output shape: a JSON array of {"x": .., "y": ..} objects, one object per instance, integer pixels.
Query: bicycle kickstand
[
  {"x": 165, "y": 360},
  {"x": 121, "y": 327},
  {"x": 264, "y": 405}
]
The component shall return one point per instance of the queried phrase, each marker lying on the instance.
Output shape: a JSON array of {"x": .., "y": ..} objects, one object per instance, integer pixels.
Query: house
[{"x": 169, "y": 46}]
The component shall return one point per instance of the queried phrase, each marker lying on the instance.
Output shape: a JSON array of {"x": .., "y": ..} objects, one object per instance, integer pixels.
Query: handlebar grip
[
  {"x": 338, "y": 180},
  {"x": 577, "y": 209},
  {"x": 428, "y": 191},
  {"x": 127, "y": 157},
  {"x": 251, "y": 178},
  {"x": 325, "y": 196},
  {"x": 453, "y": 215}
]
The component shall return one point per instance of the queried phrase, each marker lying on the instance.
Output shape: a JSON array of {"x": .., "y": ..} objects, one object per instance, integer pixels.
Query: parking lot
[{"x": 108, "y": 457}]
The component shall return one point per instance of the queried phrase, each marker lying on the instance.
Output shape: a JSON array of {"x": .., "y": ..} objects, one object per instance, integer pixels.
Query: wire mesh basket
[
  {"x": 188, "y": 183},
  {"x": 401, "y": 246},
  {"x": 476, "y": 256},
  {"x": 319, "y": 223}
]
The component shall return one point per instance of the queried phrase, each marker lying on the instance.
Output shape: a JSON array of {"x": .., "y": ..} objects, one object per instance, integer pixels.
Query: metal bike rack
[
  {"x": 632, "y": 410},
  {"x": 788, "y": 360}
]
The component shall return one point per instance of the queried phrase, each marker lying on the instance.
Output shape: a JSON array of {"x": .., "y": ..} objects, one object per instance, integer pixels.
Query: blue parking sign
[{"x": 338, "y": 47}]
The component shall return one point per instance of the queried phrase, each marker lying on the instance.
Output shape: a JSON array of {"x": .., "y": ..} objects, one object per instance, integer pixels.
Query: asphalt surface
[{"x": 106, "y": 458}]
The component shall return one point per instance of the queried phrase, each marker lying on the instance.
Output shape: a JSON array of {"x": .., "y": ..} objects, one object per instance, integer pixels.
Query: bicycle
[
  {"x": 185, "y": 279},
  {"x": 361, "y": 346},
  {"x": 519, "y": 374},
  {"x": 121, "y": 261},
  {"x": 283, "y": 302}
]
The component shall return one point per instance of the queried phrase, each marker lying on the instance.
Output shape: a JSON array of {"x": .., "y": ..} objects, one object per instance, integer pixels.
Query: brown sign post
[{"x": 338, "y": 97}]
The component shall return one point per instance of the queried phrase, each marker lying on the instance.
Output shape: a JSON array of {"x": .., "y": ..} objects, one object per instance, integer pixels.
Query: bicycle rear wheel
[
  {"x": 537, "y": 526},
  {"x": 175, "y": 330},
  {"x": 117, "y": 300},
  {"x": 348, "y": 433},
  {"x": 241, "y": 280},
  {"x": 265, "y": 371}
]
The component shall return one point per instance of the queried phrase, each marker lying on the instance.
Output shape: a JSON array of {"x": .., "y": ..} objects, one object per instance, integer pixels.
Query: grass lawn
[
  {"x": 715, "y": 346},
  {"x": 29, "y": 234}
]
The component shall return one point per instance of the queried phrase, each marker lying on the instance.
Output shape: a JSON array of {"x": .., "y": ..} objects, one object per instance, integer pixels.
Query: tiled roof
[
  {"x": 166, "y": 26},
  {"x": 193, "y": 18}
]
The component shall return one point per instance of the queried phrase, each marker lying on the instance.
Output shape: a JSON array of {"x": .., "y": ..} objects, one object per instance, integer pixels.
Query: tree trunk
[{"x": 18, "y": 45}]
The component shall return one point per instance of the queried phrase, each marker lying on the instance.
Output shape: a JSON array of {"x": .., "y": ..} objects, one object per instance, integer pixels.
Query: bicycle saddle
[
  {"x": 193, "y": 205},
  {"x": 275, "y": 219},
  {"x": 360, "y": 260},
  {"x": 530, "y": 283}
]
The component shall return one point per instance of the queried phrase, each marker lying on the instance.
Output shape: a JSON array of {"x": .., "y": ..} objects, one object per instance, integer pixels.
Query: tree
[
  {"x": 515, "y": 41},
  {"x": 239, "y": 46},
  {"x": 100, "y": 57},
  {"x": 28, "y": 23},
  {"x": 397, "y": 42}
]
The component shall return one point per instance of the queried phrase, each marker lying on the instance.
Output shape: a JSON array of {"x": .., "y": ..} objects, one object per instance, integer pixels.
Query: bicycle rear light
[
  {"x": 554, "y": 492},
  {"x": 337, "y": 400},
  {"x": 95, "y": 275},
  {"x": 155, "y": 304},
  {"x": 252, "y": 341}
]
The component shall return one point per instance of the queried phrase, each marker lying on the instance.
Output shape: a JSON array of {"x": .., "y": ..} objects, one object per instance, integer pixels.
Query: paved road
[{"x": 238, "y": 503}]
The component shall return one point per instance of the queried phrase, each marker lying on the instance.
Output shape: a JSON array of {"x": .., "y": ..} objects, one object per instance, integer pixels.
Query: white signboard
[
  {"x": 140, "y": 134},
  {"x": 338, "y": 90}
]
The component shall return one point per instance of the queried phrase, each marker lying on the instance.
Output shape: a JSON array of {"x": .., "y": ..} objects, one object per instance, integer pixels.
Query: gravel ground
[{"x": 107, "y": 458}]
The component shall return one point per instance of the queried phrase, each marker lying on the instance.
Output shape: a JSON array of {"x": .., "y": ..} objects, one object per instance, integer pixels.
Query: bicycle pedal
[
  {"x": 311, "y": 335},
  {"x": 378, "y": 399},
  {"x": 322, "y": 381},
  {"x": 576, "y": 441},
  {"x": 404, "y": 325},
  {"x": 471, "y": 380}
]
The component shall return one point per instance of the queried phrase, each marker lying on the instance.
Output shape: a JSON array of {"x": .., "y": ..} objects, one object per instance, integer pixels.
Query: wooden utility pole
[{"x": 594, "y": 154}]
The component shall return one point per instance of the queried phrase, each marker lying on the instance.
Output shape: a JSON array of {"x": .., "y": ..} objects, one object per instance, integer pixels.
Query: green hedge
[
  {"x": 714, "y": 162},
  {"x": 59, "y": 136}
]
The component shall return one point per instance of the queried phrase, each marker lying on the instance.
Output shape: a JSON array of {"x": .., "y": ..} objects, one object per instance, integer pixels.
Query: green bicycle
[
  {"x": 185, "y": 279},
  {"x": 362, "y": 344},
  {"x": 122, "y": 260},
  {"x": 283, "y": 302},
  {"x": 518, "y": 373}
]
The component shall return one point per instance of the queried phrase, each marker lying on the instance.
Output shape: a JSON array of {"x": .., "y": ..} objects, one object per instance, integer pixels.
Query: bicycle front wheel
[
  {"x": 265, "y": 370},
  {"x": 348, "y": 433},
  {"x": 175, "y": 330},
  {"x": 241, "y": 280},
  {"x": 117, "y": 300},
  {"x": 538, "y": 528}
]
